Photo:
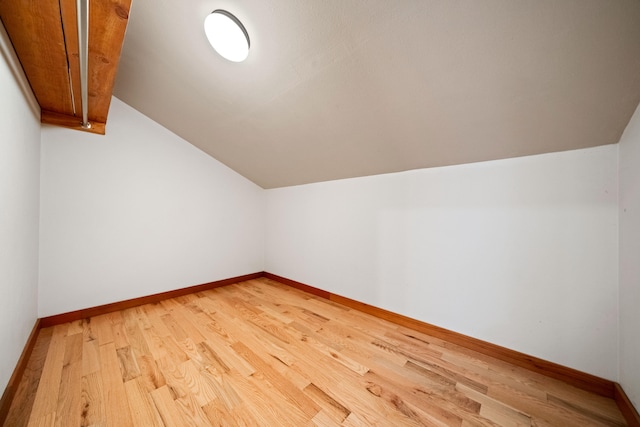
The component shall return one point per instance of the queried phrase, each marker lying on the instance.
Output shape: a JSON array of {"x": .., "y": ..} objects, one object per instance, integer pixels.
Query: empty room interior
[{"x": 376, "y": 213}]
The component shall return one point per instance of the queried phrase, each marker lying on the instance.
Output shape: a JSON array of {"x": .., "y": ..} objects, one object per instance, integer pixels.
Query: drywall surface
[
  {"x": 519, "y": 252},
  {"x": 19, "y": 200},
  {"x": 630, "y": 259},
  {"x": 137, "y": 212}
]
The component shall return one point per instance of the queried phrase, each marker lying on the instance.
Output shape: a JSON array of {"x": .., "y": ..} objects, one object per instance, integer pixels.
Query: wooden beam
[
  {"x": 107, "y": 24},
  {"x": 69, "y": 19},
  {"x": 71, "y": 122},
  {"x": 36, "y": 34},
  {"x": 45, "y": 37}
]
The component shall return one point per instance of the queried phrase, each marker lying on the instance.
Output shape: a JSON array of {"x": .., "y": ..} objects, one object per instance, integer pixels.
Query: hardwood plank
[
  {"x": 494, "y": 410},
  {"x": 128, "y": 364},
  {"x": 439, "y": 409},
  {"x": 103, "y": 329},
  {"x": 199, "y": 386},
  {"x": 68, "y": 411},
  {"x": 114, "y": 393},
  {"x": 330, "y": 407},
  {"x": 591, "y": 412},
  {"x": 226, "y": 358},
  {"x": 46, "y": 400},
  {"x": 225, "y": 391},
  {"x": 43, "y": 421},
  {"x": 93, "y": 400},
  {"x": 542, "y": 412},
  {"x": 203, "y": 309},
  {"x": 87, "y": 330},
  {"x": 118, "y": 329},
  {"x": 150, "y": 373},
  {"x": 135, "y": 302},
  {"x": 579, "y": 379},
  {"x": 141, "y": 405},
  {"x": 146, "y": 368},
  {"x": 191, "y": 412},
  {"x": 260, "y": 353},
  {"x": 76, "y": 327},
  {"x": 24, "y": 396},
  {"x": 180, "y": 317},
  {"x": 293, "y": 395},
  {"x": 220, "y": 415},
  {"x": 265, "y": 403},
  {"x": 323, "y": 420},
  {"x": 166, "y": 406},
  {"x": 90, "y": 357}
]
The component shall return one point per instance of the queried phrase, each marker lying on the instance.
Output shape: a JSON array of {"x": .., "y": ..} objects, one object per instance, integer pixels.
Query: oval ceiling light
[{"x": 227, "y": 35}]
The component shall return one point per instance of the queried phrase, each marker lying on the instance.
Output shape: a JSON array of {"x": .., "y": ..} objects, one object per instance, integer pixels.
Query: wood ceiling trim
[
  {"x": 71, "y": 122},
  {"x": 45, "y": 37}
]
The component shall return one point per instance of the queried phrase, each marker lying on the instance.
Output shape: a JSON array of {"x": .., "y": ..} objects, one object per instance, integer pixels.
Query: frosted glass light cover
[{"x": 227, "y": 35}]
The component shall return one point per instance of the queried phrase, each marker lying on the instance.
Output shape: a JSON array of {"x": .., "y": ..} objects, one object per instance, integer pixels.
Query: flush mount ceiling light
[{"x": 227, "y": 35}]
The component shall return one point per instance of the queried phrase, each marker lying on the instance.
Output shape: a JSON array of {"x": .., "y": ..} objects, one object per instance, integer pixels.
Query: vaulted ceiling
[{"x": 334, "y": 89}]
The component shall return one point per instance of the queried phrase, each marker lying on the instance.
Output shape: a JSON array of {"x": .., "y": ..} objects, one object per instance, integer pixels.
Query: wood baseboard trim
[
  {"x": 122, "y": 305},
  {"x": 298, "y": 285},
  {"x": 572, "y": 376},
  {"x": 629, "y": 411},
  {"x": 14, "y": 381}
]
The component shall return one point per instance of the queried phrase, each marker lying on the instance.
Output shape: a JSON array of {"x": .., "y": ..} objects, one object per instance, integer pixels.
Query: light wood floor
[{"x": 261, "y": 353}]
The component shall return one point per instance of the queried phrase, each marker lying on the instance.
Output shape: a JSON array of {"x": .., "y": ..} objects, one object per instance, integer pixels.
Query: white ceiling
[{"x": 343, "y": 88}]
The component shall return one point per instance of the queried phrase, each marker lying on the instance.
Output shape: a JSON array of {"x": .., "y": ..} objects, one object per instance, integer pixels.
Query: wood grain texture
[
  {"x": 298, "y": 285},
  {"x": 46, "y": 399},
  {"x": 69, "y": 21},
  {"x": 45, "y": 38},
  {"x": 16, "y": 378},
  {"x": 71, "y": 122},
  {"x": 577, "y": 378},
  {"x": 626, "y": 407},
  {"x": 36, "y": 34},
  {"x": 134, "y": 302},
  {"x": 263, "y": 353},
  {"x": 108, "y": 22}
]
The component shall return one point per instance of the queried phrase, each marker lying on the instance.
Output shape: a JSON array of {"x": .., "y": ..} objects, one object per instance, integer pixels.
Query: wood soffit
[{"x": 45, "y": 37}]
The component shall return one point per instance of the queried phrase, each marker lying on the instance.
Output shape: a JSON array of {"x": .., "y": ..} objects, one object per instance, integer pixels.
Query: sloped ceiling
[{"x": 335, "y": 89}]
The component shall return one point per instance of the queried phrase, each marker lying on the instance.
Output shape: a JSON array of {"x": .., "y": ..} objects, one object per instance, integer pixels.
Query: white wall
[
  {"x": 630, "y": 260},
  {"x": 519, "y": 252},
  {"x": 137, "y": 212},
  {"x": 19, "y": 199}
]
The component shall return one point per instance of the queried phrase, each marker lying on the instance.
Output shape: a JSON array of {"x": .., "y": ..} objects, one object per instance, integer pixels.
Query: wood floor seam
[{"x": 260, "y": 352}]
